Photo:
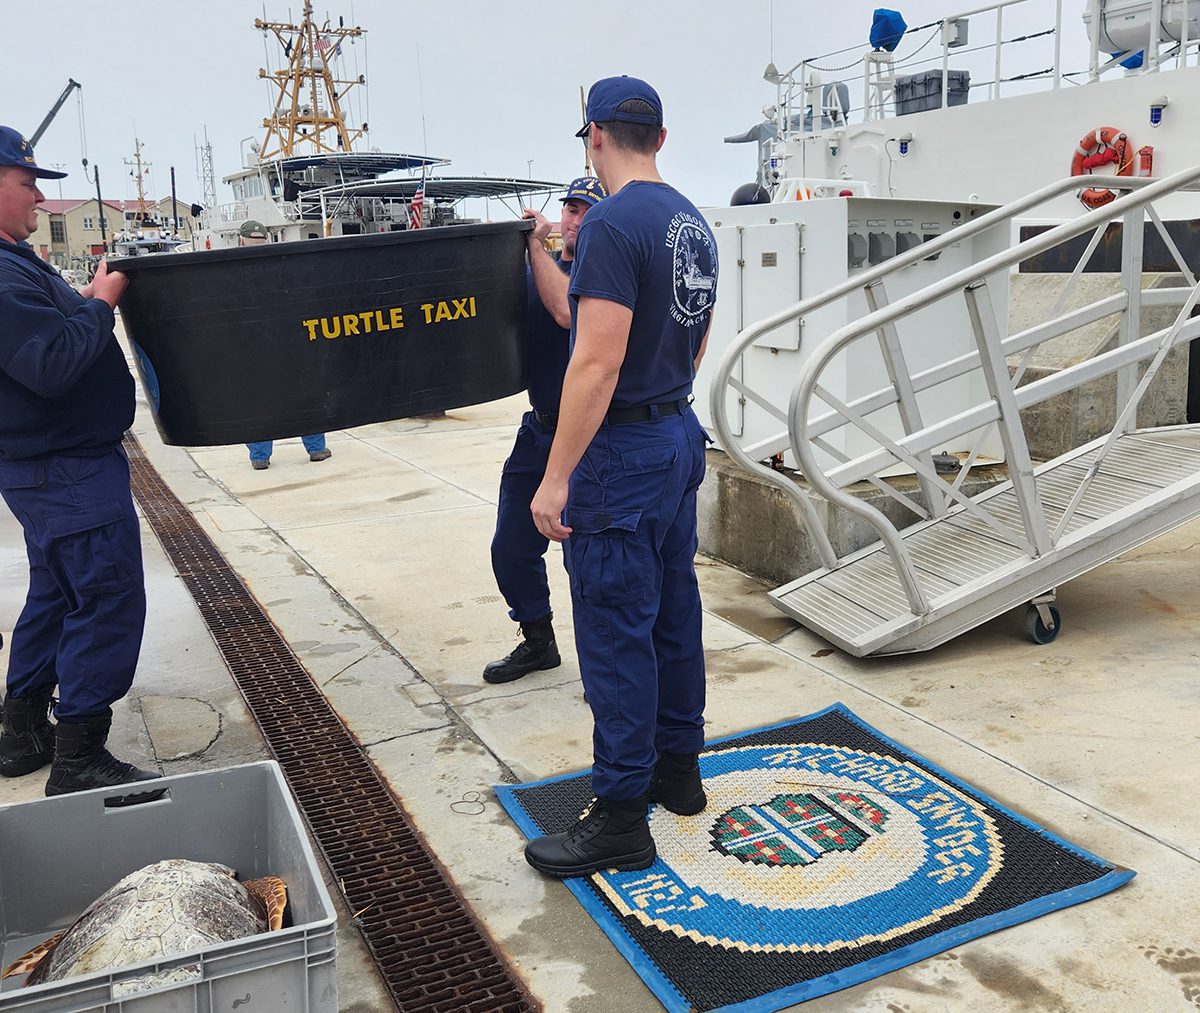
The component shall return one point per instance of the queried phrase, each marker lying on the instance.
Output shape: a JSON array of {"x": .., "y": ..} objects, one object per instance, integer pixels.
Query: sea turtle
[{"x": 161, "y": 910}]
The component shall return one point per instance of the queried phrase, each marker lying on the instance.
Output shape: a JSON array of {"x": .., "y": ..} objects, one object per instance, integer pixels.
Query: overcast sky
[{"x": 490, "y": 86}]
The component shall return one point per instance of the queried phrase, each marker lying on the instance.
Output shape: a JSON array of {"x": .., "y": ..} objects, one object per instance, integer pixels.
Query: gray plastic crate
[
  {"x": 57, "y": 855},
  {"x": 918, "y": 93}
]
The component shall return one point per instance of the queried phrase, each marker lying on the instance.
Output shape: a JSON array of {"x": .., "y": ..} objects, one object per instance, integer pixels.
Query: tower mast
[
  {"x": 308, "y": 109},
  {"x": 140, "y": 169}
]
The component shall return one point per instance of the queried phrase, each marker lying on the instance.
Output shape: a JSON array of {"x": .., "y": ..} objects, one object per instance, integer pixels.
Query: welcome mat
[{"x": 829, "y": 854}]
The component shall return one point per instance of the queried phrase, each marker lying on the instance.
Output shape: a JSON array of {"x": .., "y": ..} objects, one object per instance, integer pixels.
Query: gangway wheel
[{"x": 1042, "y": 619}]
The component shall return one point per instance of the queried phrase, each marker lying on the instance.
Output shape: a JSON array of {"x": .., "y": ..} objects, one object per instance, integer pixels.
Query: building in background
[{"x": 68, "y": 233}]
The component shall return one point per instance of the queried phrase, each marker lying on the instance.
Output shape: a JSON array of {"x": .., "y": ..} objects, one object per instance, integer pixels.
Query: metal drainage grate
[{"x": 431, "y": 951}]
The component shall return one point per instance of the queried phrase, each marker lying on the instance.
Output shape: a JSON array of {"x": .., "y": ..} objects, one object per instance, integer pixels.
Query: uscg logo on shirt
[
  {"x": 694, "y": 268},
  {"x": 868, "y": 847}
]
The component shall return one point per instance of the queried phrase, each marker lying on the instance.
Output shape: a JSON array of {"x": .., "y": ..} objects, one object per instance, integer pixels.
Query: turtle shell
[{"x": 164, "y": 909}]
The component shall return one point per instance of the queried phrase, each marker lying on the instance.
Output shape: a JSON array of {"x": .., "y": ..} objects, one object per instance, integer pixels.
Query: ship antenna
[
  {"x": 421, "y": 99},
  {"x": 308, "y": 109}
]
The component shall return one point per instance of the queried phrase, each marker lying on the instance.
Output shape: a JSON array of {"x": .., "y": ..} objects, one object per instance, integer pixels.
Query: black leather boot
[
  {"x": 609, "y": 835},
  {"x": 27, "y": 742},
  {"x": 676, "y": 784},
  {"x": 537, "y": 651},
  {"x": 81, "y": 761}
]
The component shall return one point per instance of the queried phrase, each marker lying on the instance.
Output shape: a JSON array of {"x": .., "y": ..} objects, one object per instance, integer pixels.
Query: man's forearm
[{"x": 552, "y": 285}]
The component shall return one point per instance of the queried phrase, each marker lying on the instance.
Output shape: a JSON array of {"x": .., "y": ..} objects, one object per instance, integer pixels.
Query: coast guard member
[
  {"x": 66, "y": 399},
  {"x": 627, "y": 459},
  {"x": 518, "y": 547}
]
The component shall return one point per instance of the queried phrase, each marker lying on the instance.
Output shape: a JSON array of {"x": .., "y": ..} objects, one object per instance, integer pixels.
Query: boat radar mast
[
  {"x": 140, "y": 170},
  {"x": 308, "y": 107}
]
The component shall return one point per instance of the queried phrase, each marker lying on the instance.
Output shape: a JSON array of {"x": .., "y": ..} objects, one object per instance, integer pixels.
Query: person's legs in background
[
  {"x": 260, "y": 455},
  {"x": 315, "y": 445}
]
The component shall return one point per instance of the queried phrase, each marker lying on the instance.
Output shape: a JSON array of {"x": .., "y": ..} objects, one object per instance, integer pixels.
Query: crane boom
[{"x": 72, "y": 84}]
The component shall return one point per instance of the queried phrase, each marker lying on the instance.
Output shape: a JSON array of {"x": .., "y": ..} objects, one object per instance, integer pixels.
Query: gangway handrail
[
  {"x": 737, "y": 348},
  {"x": 968, "y": 280}
]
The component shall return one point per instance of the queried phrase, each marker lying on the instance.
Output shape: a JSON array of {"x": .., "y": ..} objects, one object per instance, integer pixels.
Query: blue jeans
[
  {"x": 81, "y": 628},
  {"x": 262, "y": 451},
  {"x": 636, "y": 604}
]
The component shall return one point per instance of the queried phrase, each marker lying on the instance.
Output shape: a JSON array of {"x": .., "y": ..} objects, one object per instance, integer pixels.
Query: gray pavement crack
[
  {"x": 351, "y": 665},
  {"x": 406, "y": 735}
]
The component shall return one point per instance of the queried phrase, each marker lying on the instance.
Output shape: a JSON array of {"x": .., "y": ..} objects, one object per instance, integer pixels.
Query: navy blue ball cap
[
  {"x": 609, "y": 92},
  {"x": 15, "y": 150},
  {"x": 587, "y": 189}
]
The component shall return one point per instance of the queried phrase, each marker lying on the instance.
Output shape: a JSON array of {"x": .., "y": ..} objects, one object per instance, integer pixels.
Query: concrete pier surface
[{"x": 374, "y": 566}]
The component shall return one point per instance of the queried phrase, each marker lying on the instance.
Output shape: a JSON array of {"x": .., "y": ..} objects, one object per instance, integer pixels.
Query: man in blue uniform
[
  {"x": 627, "y": 459},
  {"x": 66, "y": 399},
  {"x": 518, "y": 547}
]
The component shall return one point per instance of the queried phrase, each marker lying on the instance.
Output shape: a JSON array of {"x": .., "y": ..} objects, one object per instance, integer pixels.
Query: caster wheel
[{"x": 1036, "y": 630}]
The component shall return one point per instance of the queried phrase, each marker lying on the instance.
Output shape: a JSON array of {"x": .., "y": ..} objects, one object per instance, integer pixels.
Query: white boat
[
  {"x": 306, "y": 180},
  {"x": 913, "y": 123},
  {"x": 143, "y": 234}
]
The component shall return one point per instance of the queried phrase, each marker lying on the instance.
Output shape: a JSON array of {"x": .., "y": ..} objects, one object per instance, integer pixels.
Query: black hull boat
[{"x": 286, "y": 339}]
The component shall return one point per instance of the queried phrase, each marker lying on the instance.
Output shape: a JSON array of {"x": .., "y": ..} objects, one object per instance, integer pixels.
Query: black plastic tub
[{"x": 270, "y": 341}]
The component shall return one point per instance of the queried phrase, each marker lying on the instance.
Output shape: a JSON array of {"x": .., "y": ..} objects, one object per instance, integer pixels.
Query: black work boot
[
  {"x": 81, "y": 761},
  {"x": 537, "y": 651},
  {"x": 609, "y": 835},
  {"x": 676, "y": 784},
  {"x": 27, "y": 742}
]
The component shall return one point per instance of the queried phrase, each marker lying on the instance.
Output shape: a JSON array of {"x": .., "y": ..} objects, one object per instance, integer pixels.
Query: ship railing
[
  {"x": 805, "y": 103},
  {"x": 235, "y": 212},
  {"x": 814, "y": 413}
]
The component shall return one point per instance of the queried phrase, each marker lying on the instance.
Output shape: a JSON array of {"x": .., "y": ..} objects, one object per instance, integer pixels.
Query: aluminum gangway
[{"x": 966, "y": 559}]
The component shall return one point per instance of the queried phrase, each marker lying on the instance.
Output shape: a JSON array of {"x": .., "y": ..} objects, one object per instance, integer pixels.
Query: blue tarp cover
[{"x": 887, "y": 29}]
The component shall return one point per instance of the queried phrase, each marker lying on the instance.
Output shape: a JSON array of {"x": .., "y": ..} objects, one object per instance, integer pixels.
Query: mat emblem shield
[
  {"x": 867, "y": 846},
  {"x": 797, "y": 829}
]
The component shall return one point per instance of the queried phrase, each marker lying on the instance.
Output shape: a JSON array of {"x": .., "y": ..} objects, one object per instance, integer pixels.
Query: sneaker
[
  {"x": 260, "y": 465},
  {"x": 321, "y": 455}
]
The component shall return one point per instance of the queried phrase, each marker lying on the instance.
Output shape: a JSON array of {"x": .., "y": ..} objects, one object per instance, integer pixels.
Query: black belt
[
  {"x": 548, "y": 420},
  {"x": 644, "y": 413}
]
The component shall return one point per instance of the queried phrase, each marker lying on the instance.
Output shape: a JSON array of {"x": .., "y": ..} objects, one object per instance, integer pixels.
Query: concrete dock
[{"x": 374, "y": 566}]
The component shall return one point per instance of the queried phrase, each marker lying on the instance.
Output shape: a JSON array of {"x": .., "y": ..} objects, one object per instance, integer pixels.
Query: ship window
[{"x": 239, "y": 192}]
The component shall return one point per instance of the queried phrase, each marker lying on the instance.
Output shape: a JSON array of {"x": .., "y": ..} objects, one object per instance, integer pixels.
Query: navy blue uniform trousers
[
  {"x": 518, "y": 548},
  {"x": 81, "y": 627},
  {"x": 632, "y": 514}
]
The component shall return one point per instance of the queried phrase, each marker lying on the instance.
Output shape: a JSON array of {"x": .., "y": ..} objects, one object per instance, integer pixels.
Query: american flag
[
  {"x": 414, "y": 208},
  {"x": 325, "y": 44}
]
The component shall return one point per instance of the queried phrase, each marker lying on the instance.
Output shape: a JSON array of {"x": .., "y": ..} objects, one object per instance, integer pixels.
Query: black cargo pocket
[{"x": 606, "y": 563}]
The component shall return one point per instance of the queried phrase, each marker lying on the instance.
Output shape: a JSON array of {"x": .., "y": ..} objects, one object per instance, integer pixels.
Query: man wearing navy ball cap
[
  {"x": 518, "y": 548},
  {"x": 66, "y": 399},
  {"x": 620, "y": 486}
]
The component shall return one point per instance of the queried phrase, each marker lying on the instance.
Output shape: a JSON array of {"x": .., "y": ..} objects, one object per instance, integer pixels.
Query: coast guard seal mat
[{"x": 828, "y": 855}]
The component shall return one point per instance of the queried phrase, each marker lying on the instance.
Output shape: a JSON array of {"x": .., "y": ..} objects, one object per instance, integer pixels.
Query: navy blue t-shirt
[
  {"x": 648, "y": 248},
  {"x": 547, "y": 348}
]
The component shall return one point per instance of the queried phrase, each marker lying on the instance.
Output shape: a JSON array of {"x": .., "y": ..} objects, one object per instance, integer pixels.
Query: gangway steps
[{"x": 1148, "y": 483}]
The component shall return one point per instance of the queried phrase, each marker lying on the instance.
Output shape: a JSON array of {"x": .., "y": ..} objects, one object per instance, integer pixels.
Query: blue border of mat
[{"x": 768, "y": 1002}]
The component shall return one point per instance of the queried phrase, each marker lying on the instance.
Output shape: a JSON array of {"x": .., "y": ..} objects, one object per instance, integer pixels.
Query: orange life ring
[{"x": 1102, "y": 146}]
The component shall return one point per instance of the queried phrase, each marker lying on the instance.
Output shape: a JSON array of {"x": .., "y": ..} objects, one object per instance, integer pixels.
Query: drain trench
[{"x": 432, "y": 953}]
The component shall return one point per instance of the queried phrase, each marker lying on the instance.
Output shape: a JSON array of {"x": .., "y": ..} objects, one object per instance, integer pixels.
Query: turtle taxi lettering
[{"x": 390, "y": 318}]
